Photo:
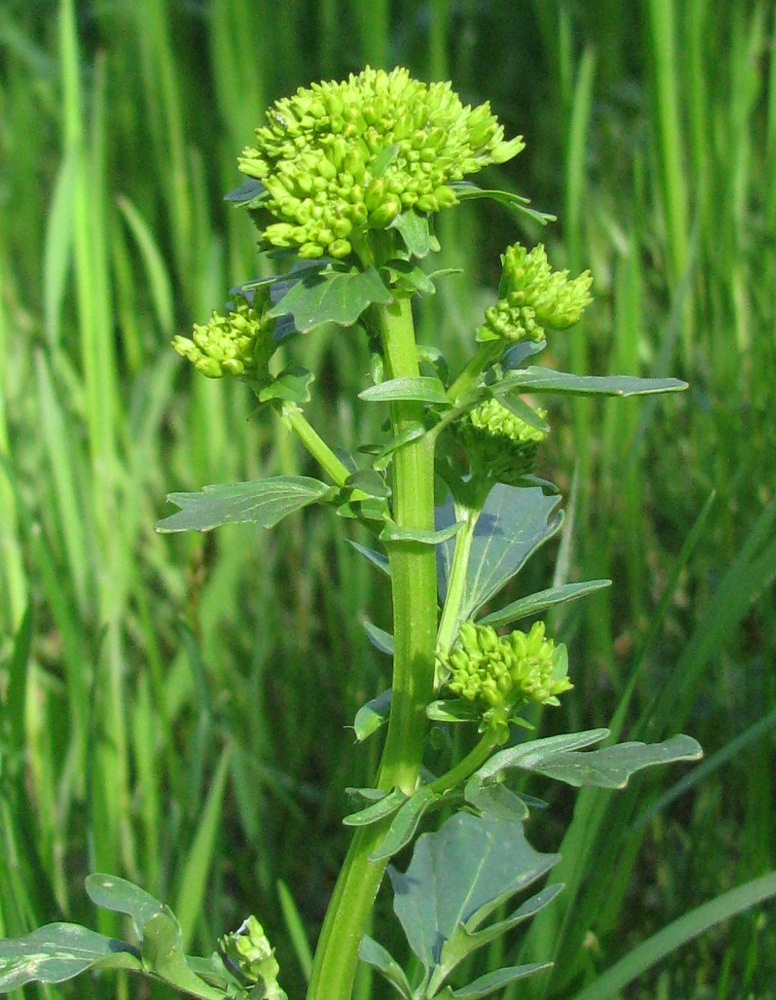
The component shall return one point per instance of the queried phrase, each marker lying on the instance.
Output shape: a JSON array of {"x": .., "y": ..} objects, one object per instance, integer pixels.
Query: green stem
[
  {"x": 488, "y": 352},
  {"x": 465, "y": 768},
  {"x": 456, "y": 584},
  {"x": 293, "y": 417},
  {"x": 413, "y": 582}
]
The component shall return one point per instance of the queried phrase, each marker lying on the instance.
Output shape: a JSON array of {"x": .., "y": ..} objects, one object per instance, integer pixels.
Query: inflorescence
[
  {"x": 340, "y": 158},
  {"x": 532, "y": 297},
  {"x": 500, "y": 445}
]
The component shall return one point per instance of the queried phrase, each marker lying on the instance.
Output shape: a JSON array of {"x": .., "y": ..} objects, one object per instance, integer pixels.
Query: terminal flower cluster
[
  {"x": 504, "y": 673},
  {"x": 501, "y": 446},
  {"x": 249, "y": 955},
  {"x": 239, "y": 343},
  {"x": 532, "y": 297},
  {"x": 340, "y": 158}
]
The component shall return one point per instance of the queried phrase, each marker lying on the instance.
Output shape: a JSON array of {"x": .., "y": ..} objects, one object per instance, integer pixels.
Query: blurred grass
[{"x": 174, "y": 709}]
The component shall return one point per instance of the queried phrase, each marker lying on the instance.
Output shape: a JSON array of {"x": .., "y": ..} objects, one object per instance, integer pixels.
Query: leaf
[
  {"x": 293, "y": 384},
  {"x": 414, "y": 230},
  {"x": 117, "y": 894},
  {"x": 460, "y": 875},
  {"x": 535, "y": 750},
  {"x": 467, "y": 191},
  {"x": 407, "y": 278},
  {"x": 529, "y": 909},
  {"x": 411, "y": 432},
  {"x": 381, "y": 809},
  {"x": 405, "y": 824},
  {"x": 612, "y": 766},
  {"x": 536, "y": 379},
  {"x": 265, "y": 502},
  {"x": 453, "y": 710},
  {"x": 331, "y": 297},
  {"x": 163, "y": 956},
  {"x": 368, "y": 481},
  {"x": 495, "y": 800},
  {"x": 371, "y": 716},
  {"x": 380, "y": 640},
  {"x": 375, "y": 558},
  {"x": 250, "y": 193},
  {"x": 542, "y": 600},
  {"x": 57, "y": 952},
  {"x": 375, "y": 955},
  {"x": 493, "y": 981},
  {"x": 513, "y": 524},
  {"x": 515, "y": 404},
  {"x": 393, "y": 533},
  {"x": 420, "y": 388}
]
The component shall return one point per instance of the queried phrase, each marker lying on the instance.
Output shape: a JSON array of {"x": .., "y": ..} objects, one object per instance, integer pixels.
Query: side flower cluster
[
  {"x": 533, "y": 297},
  {"x": 501, "y": 446},
  {"x": 249, "y": 955},
  {"x": 239, "y": 343},
  {"x": 504, "y": 673},
  {"x": 339, "y": 158}
]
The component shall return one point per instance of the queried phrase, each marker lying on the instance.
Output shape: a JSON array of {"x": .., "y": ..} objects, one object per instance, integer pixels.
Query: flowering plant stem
[{"x": 414, "y": 590}]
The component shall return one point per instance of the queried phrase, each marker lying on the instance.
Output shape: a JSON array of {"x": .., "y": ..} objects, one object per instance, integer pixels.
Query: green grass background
[{"x": 175, "y": 709}]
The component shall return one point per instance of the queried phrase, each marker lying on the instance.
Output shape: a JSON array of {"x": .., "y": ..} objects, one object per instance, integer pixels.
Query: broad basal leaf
[
  {"x": 536, "y": 379},
  {"x": 57, "y": 952},
  {"x": 513, "y": 524},
  {"x": 331, "y": 297},
  {"x": 421, "y": 388},
  {"x": 265, "y": 502},
  {"x": 543, "y": 599},
  {"x": 460, "y": 875}
]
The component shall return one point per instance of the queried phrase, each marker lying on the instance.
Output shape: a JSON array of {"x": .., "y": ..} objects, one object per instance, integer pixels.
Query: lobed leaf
[
  {"x": 331, "y": 297},
  {"x": 264, "y": 502}
]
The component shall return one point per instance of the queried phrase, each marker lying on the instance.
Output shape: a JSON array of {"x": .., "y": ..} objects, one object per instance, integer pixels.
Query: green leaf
[
  {"x": 536, "y": 379},
  {"x": 415, "y": 231},
  {"x": 293, "y": 384},
  {"x": 542, "y": 600},
  {"x": 535, "y": 750},
  {"x": 493, "y": 981},
  {"x": 521, "y": 409},
  {"x": 163, "y": 956},
  {"x": 612, "y": 766},
  {"x": 407, "y": 278},
  {"x": 513, "y": 524},
  {"x": 380, "y": 640},
  {"x": 384, "y": 159},
  {"x": 251, "y": 193},
  {"x": 384, "y": 807},
  {"x": 393, "y": 533},
  {"x": 371, "y": 716},
  {"x": 377, "y": 559},
  {"x": 466, "y": 941},
  {"x": 375, "y": 955},
  {"x": 384, "y": 455},
  {"x": 331, "y": 297},
  {"x": 117, "y": 894},
  {"x": 495, "y": 800},
  {"x": 453, "y": 710},
  {"x": 419, "y": 388},
  {"x": 57, "y": 952},
  {"x": 467, "y": 191},
  {"x": 460, "y": 875},
  {"x": 405, "y": 824},
  {"x": 265, "y": 502},
  {"x": 370, "y": 482}
]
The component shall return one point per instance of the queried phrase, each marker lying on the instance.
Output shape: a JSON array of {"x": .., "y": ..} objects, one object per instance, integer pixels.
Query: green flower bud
[
  {"x": 532, "y": 296},
  {"x": 500, "y": 445},
  {"x": 248, "y": 954},
  {"x": 504, "y": 673},
  {"x": 328, "y": 138},
  {"x": 238, "y": 344}
]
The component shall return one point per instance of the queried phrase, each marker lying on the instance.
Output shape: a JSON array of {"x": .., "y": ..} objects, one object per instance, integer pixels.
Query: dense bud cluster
[
  {"x": 337, "y": 159},
  {"x": 503, "y": 673},
  {"x": 247, "y": 952},
  {"x": 532, "y": 297},
  {"x": 500, "y": 445},
  {"x": 239, "y": 343}
]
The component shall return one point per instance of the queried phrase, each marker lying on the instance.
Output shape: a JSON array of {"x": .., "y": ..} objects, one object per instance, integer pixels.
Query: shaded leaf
[
  {"x": 331, "y": 297},
  {"x": 453, "y": 710},
  {"x": 415, "y": 231},
  {"x": 536, "y": 379},
  {"x": 420, "y": 388},
  {"x": 380, "y": 640},
  {"x": 513, "y": 523},
  {"x": 371, "y": 716},
  {"x": 57, "y": 952},
  {"x": 265, "y": 502},
  {"x": 542, "y": 600},
  {"x": 493, "y": 981},
  {"x": 370, "y": 482},
  {"x": 405, "y": 824},
  {"x": 293, "y": 384},
  {"x": 460, "y": 875},
  {"x": 375, "y": 955},
  {"x": 535, "y": 750},
  {"x": 411, "y": 432},
  {"x": 377, "y": 559},
  {"x": 407, "y": 278},
  {"x": 251, "y": 193},
  {"x": 495, "y": 800},
  {"x": 393, "y": 533}
]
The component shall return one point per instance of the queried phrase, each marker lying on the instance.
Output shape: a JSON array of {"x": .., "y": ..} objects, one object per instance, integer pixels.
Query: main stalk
[{"x": 414, "y": 593}]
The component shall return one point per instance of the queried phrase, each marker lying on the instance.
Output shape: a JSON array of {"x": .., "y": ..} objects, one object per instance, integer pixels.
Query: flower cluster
[
  {"x": 248, "y": 954},
  {"x": 239, "y": 343},
  {"x": 505, "y": 672},
  {"x": 532, "y": 296},
  {"x": 340, "y": 158},
  {"x": 501, "y": 446}
]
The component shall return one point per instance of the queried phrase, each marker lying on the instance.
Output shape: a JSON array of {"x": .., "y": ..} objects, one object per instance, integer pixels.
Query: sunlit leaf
[
  {"x": 420, "y": 388},
  {"x": 381, "y": 809},
  {"x": 536, "y": 379},
  {"x": 331, "y": 297},
  {"x": 542, "y": 600},
  {"x": 371, "y": 716}
]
